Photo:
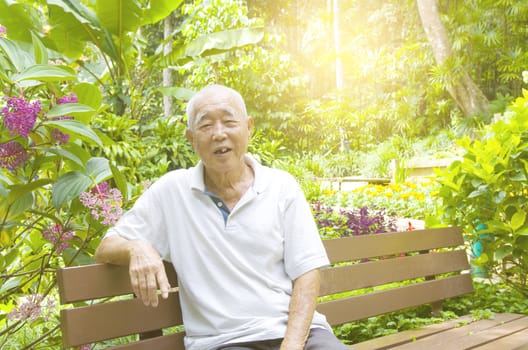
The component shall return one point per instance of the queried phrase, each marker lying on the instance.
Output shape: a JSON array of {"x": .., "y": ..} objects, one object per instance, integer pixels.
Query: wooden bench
[{"x": 360, "y": 284}]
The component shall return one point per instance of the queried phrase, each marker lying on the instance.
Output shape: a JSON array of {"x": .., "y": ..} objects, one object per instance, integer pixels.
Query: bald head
[{"x": 213, "y": 93}]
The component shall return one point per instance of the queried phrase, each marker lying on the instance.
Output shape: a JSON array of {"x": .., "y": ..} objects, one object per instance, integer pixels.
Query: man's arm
[
  {"x": 146, "y": 269},
  {"x": 302, "y": 307}
]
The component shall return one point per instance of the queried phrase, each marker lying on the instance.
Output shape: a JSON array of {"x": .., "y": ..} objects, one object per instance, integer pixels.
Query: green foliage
[
  {"x": 487, "y": 300},
  {"x": 45, "y": 169},
  {"x": 485, "y": 194}
]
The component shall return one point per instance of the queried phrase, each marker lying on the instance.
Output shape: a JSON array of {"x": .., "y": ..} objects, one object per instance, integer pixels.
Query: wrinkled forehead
[
  {"x": 223, "y": 110},
  {"x": 217, "y": 100}
]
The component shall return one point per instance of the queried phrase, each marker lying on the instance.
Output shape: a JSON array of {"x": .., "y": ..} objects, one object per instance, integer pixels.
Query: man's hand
[
  {"x": 147, "y": 273},
  {"x": 146, "y": 269}
]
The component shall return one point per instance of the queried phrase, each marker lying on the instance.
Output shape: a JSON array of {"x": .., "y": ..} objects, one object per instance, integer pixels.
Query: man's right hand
[
  {"x": 146, "y": 269},
  {"x": 147, "y": 273}
]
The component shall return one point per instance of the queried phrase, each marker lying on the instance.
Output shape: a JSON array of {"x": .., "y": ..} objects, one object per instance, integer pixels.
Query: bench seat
[{"x": 364, "y": 280}]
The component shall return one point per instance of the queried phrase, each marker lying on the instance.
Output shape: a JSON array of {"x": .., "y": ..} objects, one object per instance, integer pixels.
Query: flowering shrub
[
  {"x": 44, "y": 170},
  {"x": 58, "y": 237},
  {"x": 33, "y": 307},
  {"x": 20, "y": 115},
  {"x": 335, "y": 223},
  {"x": 411, "y": 200}
]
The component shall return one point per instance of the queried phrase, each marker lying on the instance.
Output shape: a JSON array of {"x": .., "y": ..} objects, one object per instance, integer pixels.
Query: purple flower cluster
[
  {"x": 58, "y": 237},
  {"x": 33, "y": 307},
  {"x": 3, "y": 31},
  {"x": 20, "y": 115},
  {"x": 12, "y": 155},
  {"x": 60, "y": 136},
  {"x": 104, "y": 203},
  {"x": 56, "y": 133},
  {"x": 71, "y": 98},
  {"x": 352, "y": 222}
]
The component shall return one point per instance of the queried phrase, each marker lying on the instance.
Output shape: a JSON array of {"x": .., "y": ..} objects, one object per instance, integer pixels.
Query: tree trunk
[
  {"x": 467, "y": 95},
  {"x": 337, "y": 47},
  {"x": 168, "y": 77}
]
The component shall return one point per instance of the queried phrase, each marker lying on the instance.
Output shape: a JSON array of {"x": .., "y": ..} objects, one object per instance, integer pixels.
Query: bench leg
[{"x": 436, "y": 308}]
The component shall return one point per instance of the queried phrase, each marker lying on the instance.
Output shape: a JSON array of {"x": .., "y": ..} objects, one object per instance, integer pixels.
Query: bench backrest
[{"x": 359, "y": 284}]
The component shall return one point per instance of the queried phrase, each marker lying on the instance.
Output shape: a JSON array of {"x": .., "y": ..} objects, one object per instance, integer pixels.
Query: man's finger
[
  {"x": 151, "y": 291},
  {"x": 163, "y": 283}
]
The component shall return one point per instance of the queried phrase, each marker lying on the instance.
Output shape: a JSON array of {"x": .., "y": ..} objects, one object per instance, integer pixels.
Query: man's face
[{"x": 220, "y": 132}]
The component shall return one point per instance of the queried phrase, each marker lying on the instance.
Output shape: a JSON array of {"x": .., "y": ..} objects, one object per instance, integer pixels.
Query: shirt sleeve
[
  {"x": 145, "y": 222},
  {"x": 303, "y": 248}
]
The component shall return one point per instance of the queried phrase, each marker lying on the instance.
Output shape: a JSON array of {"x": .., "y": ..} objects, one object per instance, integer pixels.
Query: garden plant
[{"x": 485, "y": 193}]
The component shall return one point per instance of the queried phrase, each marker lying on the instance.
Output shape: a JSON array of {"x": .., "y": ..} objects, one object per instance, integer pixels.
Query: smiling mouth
[{"x": 222, "y": 150}]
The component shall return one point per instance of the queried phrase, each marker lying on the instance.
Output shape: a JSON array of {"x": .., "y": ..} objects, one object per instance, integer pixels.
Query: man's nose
[{"x": 219, "y": 130}]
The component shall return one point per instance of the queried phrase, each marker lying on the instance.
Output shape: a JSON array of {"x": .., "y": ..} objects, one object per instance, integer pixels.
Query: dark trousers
[{"x": 319, "y": 339}]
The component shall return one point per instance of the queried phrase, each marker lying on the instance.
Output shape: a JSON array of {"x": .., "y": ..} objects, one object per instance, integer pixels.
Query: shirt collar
[{"x": 260, "y": 182}]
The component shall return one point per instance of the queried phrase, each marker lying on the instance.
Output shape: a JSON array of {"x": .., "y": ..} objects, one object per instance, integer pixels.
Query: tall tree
[
  {"x": 468, "y": 96},
  {"x": 168, "y": 76}
]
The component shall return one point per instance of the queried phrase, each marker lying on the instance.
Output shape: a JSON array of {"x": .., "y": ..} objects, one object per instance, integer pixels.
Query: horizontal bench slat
[
  {"x": 96, "y": 281},
  {"x": 168, "y": 342},
  {"x": 366, "y": 305},
  {"x": 375, "y": 273},
  {"x": 368, "y": 246},
  {"x": 481, "y": 332},
  {"x": 402, "y": 337},
  {"x": 115, "y": 319}
]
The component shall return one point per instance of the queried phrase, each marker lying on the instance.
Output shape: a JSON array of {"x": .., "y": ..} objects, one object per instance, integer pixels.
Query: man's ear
[
  {"x": 250, "y": 122},
  {"x": 189, "y": 136}
]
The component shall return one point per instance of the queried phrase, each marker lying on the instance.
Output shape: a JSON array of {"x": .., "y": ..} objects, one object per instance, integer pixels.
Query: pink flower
[
  {"x": 20, "y": 116},
  {"x": 58, "y": 237},
  {"x": 3, "y": 31},
  {"x": 12, "y": 155},
  {"x": 32, "y": 307},
  {"x": 104, "y": 203}
]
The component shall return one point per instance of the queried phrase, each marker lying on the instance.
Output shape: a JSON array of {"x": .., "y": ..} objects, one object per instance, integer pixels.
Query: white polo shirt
[{"x": 235, "y": 276}]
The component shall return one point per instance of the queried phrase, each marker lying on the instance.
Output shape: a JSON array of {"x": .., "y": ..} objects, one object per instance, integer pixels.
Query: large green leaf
[
  {"x": 18, "y": 191},
  {"x": 19, "y": 19},
  {"x": 120, "y": 181},
  {"x": 65, "y": 154},
  {"x": 40, "y": 51},
  {"x": 17, "y": 57},
  {"x": 77, "y": 110},
  {"x": 158, "y": 10},
  {"x": 119, "y": 16},
  {"x": 77, "y": 128},
  {"x": 212, "y": 44},
  {"x": 88, "y": 94},
  {"x": 518, "y": 220},
  {"x": 21, "y": 205},
  {"x": 98, "y": 169},
  {"x": 44, "y": 72},
  {"x": 68, "y": 187},
  {"x": 72, "y": 25},
  {"x": 177, "y": 92}
]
